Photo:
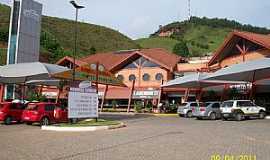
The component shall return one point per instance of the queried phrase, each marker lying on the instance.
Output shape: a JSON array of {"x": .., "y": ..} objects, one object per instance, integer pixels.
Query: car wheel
[
  {"x": 44, "y": 121},
  {"x": 213, "y": 116},
  {"x": 8, "y": 120},
  {"x": 262, "y": 115},
  {"x": 189, "y": 114},
  {"x": 239, "y": 116}
]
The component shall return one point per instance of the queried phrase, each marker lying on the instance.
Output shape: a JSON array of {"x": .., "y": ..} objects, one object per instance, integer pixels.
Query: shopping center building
[
  {"x": 146, "y": 68},
  {"x": 149, "y": 68}
]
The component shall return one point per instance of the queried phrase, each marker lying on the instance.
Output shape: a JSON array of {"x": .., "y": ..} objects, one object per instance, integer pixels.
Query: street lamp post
[{"x": 77, "y": 7}]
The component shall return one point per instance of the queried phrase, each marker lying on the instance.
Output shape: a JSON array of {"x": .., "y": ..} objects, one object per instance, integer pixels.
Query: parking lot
[{"x": 145, "y": 137}]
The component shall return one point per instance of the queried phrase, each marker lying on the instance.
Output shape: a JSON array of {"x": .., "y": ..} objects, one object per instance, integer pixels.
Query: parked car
[
  {"x": 187, "y": 108},
  {"x": 241, "y": 109},
  {"x": 45, "y": 113},
  {"x": 209, "y": 110},
  {"x": 11, "y": 111}
]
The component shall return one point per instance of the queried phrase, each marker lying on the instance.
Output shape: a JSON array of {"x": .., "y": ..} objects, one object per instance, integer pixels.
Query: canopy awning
[
  {"x": 250, "y": 71},
  {"x": 198, "y": 80},
  {"x": 22, "y": 72}
]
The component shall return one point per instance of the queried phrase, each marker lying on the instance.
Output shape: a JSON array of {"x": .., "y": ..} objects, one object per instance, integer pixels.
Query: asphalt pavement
[{"x": 145, "y": 138}]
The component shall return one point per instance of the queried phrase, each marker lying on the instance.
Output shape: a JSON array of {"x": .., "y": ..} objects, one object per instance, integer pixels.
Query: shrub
[
  {"x": 114, "y": 104},
  {"x": 149, "y": 107},
  {"x": 181, "y": 49},
  {"x": 138, "y": 106}
]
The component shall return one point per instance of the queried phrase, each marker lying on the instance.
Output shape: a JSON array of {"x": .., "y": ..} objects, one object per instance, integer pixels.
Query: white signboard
[{"x": 82, "y": 103}]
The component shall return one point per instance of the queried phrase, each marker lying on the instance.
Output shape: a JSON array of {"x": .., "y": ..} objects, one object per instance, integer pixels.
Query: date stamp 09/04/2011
[{"x": 233, "y": 157}]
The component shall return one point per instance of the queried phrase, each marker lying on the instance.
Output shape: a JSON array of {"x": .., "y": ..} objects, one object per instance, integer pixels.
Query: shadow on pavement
[{"x": 121, "y": 116}]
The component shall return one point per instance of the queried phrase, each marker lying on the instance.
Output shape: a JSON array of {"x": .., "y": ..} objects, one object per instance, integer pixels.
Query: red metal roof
[
  {"x": 260, "y": 39},
  {"x": 70, "y": 59},
  {"x": 112, "y": 60}
]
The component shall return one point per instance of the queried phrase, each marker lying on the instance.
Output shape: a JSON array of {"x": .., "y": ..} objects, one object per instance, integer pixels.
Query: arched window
[
  {"x": 120, "y": 77},
  {"x": 159, "y": 76},
  {"x": 132, "y": 77},
  {"x": 146, "y": 77}
]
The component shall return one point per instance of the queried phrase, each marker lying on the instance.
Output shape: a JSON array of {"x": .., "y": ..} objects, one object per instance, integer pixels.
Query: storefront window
[
  {"x": 120, "y": 77},
  {"x": 159, "y": 77},
  {"x": 146, "y": 77},
  {"x": 132, "y": 77}
]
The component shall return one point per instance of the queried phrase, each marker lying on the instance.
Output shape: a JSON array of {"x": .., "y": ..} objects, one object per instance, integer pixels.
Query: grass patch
[
  {"x": 89, "y": 123},
  {"x": 157, "y": 42}
]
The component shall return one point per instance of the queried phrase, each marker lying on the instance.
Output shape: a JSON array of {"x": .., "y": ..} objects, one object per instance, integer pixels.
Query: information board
[{"x": 82, "y": 103}]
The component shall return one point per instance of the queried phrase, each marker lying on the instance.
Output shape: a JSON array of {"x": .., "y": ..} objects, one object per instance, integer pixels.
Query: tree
[{"x": 181, "y": 49}]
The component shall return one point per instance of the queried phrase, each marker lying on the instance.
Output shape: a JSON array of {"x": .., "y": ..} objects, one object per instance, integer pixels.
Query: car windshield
[
  {"x": 202, "y": 104},
  {"x": 183, "y": 104},
  {"x": 31, "y": 107},
  {"x": 227, "y": 104},
  {"x": 207, "y": 104}
]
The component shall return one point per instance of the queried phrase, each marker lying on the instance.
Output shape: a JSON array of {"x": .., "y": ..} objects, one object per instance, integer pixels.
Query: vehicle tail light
[{"x": 202, "y": 108}]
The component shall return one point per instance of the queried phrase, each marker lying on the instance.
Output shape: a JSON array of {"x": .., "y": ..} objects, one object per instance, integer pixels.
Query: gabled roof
[
  {"x": 70, "y": 59},
  {"x": 114, "y": 60},
  {"x": 260, "y": 39},
  {"x": 109, "y": 59}
]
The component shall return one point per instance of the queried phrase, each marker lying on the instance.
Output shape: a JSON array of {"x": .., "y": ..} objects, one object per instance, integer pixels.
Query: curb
[
  {"x": 118, "y": 113},
  {"x": 165, "y": 115},
  {"x": 81, "y": 129}
]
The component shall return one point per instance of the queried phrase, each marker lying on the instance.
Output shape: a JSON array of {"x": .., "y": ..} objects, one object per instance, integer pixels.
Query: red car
[
  {"x": 10, "y": 112},
  {"x": 45, "y": 113}
]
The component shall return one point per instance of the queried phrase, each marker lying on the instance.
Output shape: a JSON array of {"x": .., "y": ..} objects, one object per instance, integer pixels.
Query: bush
[
  {"x": 138, "y": 106},
  {"x": 4, "y": 34},
  {"x": 114, "y": 104},
  {"x": 149, "y": 107},
  {"x": 181, "y": 49}
]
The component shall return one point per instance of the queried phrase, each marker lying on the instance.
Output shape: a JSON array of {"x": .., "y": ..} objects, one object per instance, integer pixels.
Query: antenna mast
[{"x": 189, "y": 9}]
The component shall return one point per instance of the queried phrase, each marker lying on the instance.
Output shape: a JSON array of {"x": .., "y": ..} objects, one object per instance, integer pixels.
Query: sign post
[{"x": 82, "y": 102}]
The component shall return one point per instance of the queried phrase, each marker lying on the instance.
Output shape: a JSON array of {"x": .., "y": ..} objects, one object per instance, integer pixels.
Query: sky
[{"x": 140, "y": 18}]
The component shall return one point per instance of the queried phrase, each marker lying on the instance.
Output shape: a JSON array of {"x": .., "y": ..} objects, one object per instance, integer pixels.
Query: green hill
[
  {"x": 157, "y": 42},
  {"x": 57, "y": 37},
  {"x": 203, "y": 35}
]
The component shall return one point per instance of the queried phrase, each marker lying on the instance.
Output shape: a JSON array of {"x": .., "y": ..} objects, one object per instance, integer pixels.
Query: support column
[
  {"x": 253, "y": 86},
  {"x": 103, "y": 98},
  {"x": 186, "y": 95},
  {"x": 2, "y": 90},
  {"x": 97, "y": 74},
  {"x": 130, "y": 95},
  {"x": 199, "y": 96},
  {"x": 160, "y": 95},
  {"x": 226, "y": 86},
  {"x": 58, "y": 95}
]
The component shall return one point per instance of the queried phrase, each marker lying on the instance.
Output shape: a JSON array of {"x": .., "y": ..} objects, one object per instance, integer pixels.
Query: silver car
[
  {"x": 186, "y": 109},
  {"x": 209, "y": 110}
]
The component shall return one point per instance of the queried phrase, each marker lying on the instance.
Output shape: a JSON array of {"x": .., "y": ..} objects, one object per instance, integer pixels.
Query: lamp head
[{"x": 76, "y": 5}]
